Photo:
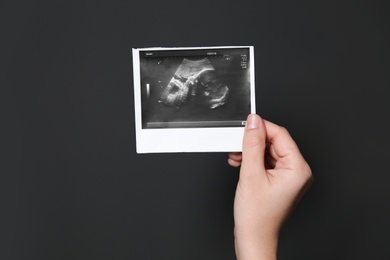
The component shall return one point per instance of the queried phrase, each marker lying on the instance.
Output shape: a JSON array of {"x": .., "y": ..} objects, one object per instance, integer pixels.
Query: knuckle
[
  {"x": 283, "y": 130},
  {"x": 306, "y": 175}
]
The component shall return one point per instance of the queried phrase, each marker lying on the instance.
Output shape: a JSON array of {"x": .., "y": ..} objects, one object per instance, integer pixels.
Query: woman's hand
[{"x": 273, "y": 177}]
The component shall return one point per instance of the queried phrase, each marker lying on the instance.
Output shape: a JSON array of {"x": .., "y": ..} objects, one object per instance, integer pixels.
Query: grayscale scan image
[{"x": 195, "y": 88}]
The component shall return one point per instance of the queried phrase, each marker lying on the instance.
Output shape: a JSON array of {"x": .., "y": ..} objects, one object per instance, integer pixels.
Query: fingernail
[{"x": 252, "y": 121}]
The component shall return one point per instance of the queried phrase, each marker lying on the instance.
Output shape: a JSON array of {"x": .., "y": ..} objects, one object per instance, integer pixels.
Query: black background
[{"x": 72, "y": 186}]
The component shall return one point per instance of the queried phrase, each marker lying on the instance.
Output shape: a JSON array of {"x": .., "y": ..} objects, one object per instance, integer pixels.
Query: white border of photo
[{"x": 178, "y": 140}]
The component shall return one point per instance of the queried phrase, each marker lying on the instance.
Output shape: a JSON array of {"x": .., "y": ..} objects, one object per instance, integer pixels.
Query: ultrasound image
[
  {"x": 197, "y": 79},
  {"x": 194, "y": 90}
]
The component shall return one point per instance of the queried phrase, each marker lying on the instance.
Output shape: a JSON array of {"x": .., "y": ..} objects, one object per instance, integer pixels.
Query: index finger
[{"x": 281, "y": 141}]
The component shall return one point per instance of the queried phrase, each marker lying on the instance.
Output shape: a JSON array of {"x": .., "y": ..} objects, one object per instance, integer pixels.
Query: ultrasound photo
[{"x": 184, "y": 88}]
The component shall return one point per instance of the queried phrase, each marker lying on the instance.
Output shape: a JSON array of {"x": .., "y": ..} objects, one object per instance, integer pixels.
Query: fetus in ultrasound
[
  {"x": 195, "y": 79},
  {"x": 216, "y": 92}
]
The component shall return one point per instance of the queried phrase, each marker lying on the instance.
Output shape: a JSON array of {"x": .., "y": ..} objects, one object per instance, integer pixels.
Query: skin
[{"x": 273, "y": 178}]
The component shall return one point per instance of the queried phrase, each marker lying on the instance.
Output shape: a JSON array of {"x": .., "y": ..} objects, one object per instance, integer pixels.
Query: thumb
[{"x": 253, "y": 148}]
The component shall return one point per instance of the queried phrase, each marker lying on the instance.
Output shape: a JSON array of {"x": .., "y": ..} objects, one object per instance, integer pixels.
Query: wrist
[{"x": 255, "y": 244}]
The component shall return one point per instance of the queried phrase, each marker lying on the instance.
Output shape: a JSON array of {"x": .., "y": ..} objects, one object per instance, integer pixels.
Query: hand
[{"x": 273, "y": 178}]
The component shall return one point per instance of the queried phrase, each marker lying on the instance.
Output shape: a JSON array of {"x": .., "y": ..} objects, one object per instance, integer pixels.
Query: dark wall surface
[{"x": 72, "y": 185}]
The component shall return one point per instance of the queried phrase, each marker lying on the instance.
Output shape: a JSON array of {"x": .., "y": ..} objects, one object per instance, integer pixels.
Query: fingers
[
  {"x": 270, "y": 161},
  {"x": 286, "y": 155},
  {"x": 234, "y": 159},
  {"x": 253, "y": 147},
  {"x": 282, "y": 148},
  {"x": 266, "y": 146}
]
